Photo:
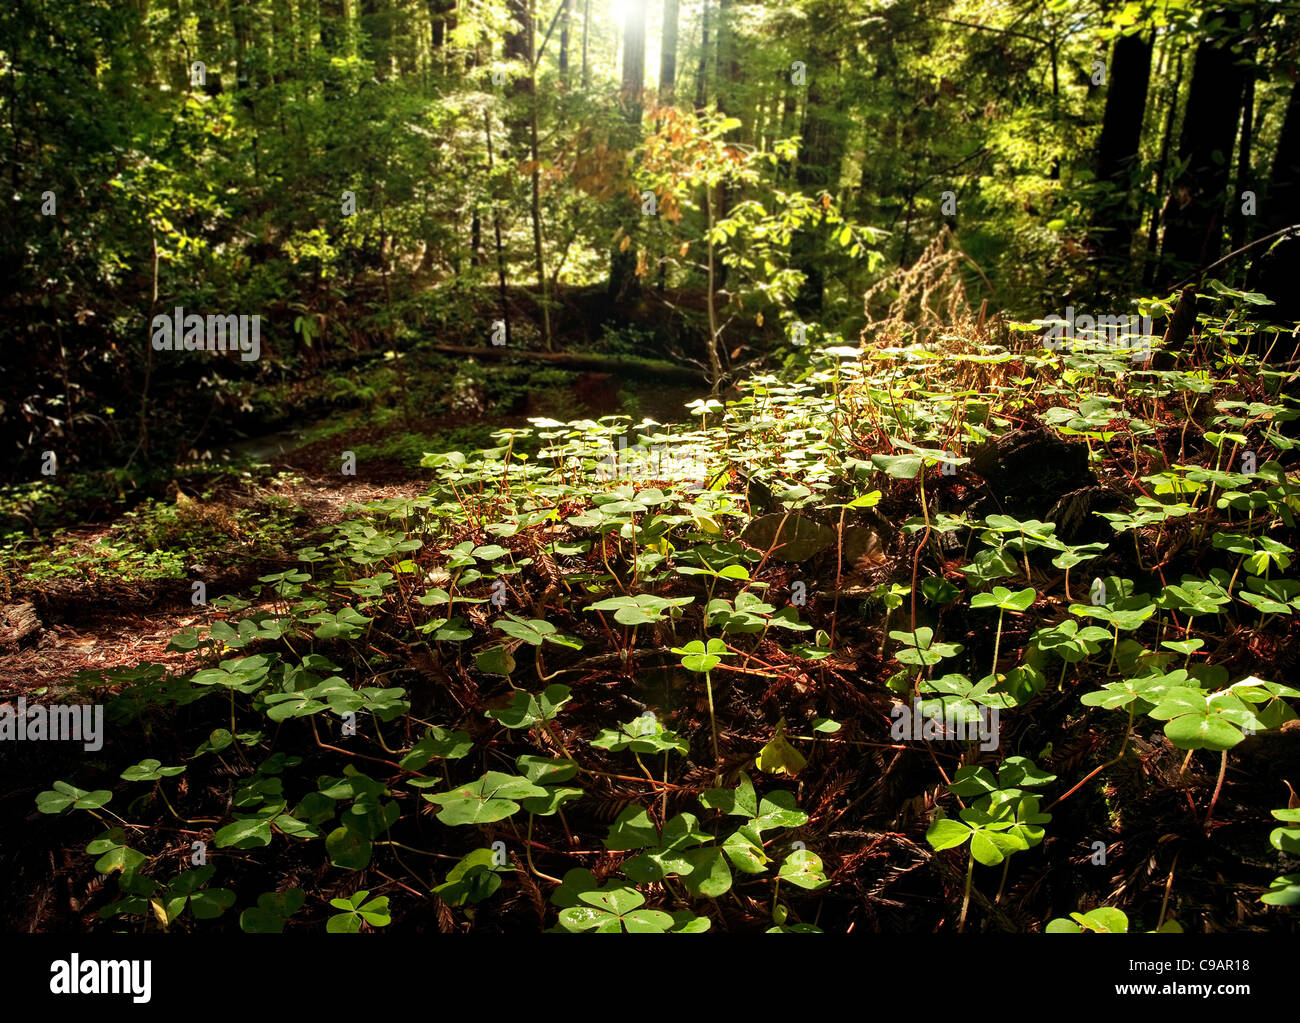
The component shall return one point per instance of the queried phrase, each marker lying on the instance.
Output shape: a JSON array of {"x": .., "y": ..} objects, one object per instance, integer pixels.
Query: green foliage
[{"x": 370, "y": 702}]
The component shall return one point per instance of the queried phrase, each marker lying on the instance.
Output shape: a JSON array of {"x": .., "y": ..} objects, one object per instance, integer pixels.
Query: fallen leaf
[
  {"x": 789, "y": 537},
  {"x": 779, "y": 757}
]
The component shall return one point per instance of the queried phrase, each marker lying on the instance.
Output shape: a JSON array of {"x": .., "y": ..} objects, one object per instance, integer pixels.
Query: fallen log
[
  {"x": 17, "y": 623},
  {"x": 621, "y": 365}
]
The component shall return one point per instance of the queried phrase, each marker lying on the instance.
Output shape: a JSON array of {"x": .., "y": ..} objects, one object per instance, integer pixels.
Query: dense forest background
[{"x": 705, "y": 182}]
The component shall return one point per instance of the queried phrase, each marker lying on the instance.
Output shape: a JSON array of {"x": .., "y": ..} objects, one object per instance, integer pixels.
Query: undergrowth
[{"x": 659, "y": 686}]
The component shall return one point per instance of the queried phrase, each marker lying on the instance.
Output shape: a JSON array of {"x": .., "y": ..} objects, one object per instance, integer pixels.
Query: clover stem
[
  {"x": 839, "y": 573},
  {"x": 604, "y": 557},
  {"x": 541, "y": 671},
  {"x": 1235, "y": 571},
  {"x": 916, "y": 558},
  {"x": 232, "y": 727},
  {"x": 380, "y": 737},
  {"x": 1006, "y": 868},
  {"x": 1060, "y": 686},
  {"x": 560, "y": 742},
  {"x": 641, "y": 765},
  {"x": 1218, "y": 787},
  {"x": 411, "y": 848},
  {"x": 665, "y": 802},
  {"x": 965, "y": 899},
  {"x": 528, "y": 854},
  {"x": 713, "y": 728},
  {"x": 1097, "y": 770},
  {"x": 1169, "y": 884},
  {"x": 997, "y": 643},
  {"x": 172, "y": 810}
]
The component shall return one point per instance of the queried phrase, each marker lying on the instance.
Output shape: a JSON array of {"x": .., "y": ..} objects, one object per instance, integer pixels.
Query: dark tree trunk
[
  {"x": 702, "y": 69},
  {"x": 516, "y": 43},
  {"x": 1162, "y": 168},
  {"x": 240, "y": 30},
  {"x": 209, "y": 52},
  {"x": 1277, "y": 273},
  {"x": 1194, "y": 209},
  {"x": 1240, "y": 225},
  {"x": 728, "y": 73},
  {"x": 566, "y": 20},
  {"x": 1117, "y": 147},
  {"x": 441, "y": 21},
  {"x": 333, "y": 32},
  {"x": 817, "y": 171},
  {"x": 376, "y": 34}
]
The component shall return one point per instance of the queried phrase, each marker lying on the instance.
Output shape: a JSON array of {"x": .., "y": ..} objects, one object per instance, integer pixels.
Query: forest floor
[
  {"x": 740, "y": 611},
  {"x": 112, "y": 613}
]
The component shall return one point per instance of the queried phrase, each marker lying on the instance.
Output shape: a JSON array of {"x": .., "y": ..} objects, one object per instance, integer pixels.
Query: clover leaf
[
  {"x": 491, "y": 798},
  {"x": 150, "y": 770},
  {"x": 356, "y": 911},
  {"x": 526, "y": 710}
]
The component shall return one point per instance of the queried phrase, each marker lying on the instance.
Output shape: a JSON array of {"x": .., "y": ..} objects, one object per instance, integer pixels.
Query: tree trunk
[
  {"x": 1277, "y": 273},
  {"x": 624, "y": 366},
  {"x": 496, "y": 226},
  {"x": 565, "y": 20},
  {"x": 209, "y": 53},
  {"x": 1194, "y": 209},
  {"x": 376, "y": 35},
  {"x": 633, "y": 59},
  {"x": 1240, "y": 226},
  {"x": 333, "y": 32},
  {"x": 668, "y": 52},
  {"x": 516, "y": 42},
  {"x": 728, "y": 77},
  {"x": 622, "y": 268},
  {"x": 586, "y": 22},
  {"x": 1162, "y": 168},
  {"x": 702, "y": 69},
  {"x": 1117, "y": 147},
  {"x": 240, "y": 30},
  {"x": 442, "y": 20},
  {"x": 539, "y": 261},
  {"x": 817, "y": 171}
]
